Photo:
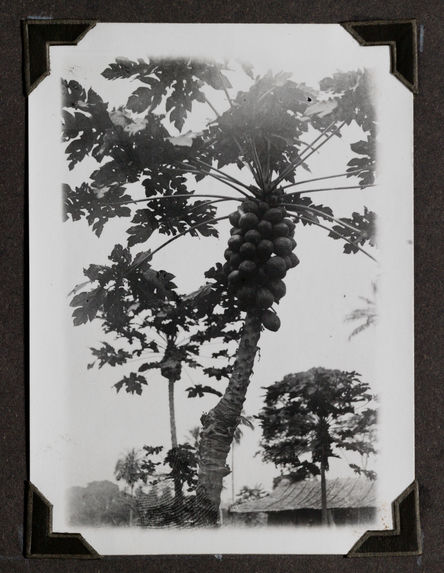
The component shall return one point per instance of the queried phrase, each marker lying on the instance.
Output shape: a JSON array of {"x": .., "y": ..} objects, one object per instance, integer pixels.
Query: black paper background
[{"x": 429, "y": 290}]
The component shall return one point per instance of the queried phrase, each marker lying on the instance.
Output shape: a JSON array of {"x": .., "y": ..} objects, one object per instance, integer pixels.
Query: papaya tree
[
  {"x": 312, "y": 416},
  {"x": 154, "y": 325},
  {"x": 153, "y": 169}
]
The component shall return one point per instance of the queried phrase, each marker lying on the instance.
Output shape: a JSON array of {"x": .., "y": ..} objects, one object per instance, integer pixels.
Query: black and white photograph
[{"x": 221, "y": 288}]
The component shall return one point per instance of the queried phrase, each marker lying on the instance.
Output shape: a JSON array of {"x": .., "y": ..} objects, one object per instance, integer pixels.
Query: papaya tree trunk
[
  {"x": 178, "y": 494},
  {"x": 219, "y": 425},
  {"x": 172, "y": 410},
  {"x": 323, "y": 494},
  {"x": 233, "y": 489},
  {"x": 131, "y": 508}
]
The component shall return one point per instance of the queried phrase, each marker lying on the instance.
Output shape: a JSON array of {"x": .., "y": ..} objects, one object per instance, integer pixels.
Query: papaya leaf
[
  {"x": 133, "y": 384},
  {"x": 199, "y": 391},
  {"x": 88, "y": 304}
]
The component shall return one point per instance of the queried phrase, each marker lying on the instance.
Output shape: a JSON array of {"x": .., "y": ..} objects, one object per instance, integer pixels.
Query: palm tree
[{"x": 129, "y": 470}]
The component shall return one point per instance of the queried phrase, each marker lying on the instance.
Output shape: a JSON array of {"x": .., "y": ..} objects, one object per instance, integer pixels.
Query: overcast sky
[{"x": 96, "y": 426}]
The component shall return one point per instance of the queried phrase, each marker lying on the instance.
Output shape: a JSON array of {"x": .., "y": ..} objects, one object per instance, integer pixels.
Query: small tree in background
[
  {"x": 317, "y": 414},
  {"x": 129, "y": 469}
]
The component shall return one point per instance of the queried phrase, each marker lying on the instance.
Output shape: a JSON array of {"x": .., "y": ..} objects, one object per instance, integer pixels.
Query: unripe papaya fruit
[
  {"x": 290, "y": 224},
  {"x": 261, "y": 276},
  {"x": 282, "y": 246},
  {"x": 264, "y": 298},
  {"x": 246, "y": 294},
  {"x": 235, "y": 242},
  {"x": 270, "y": 320},
  {"x": 294, "y": 260},
  {"x": 253, "y": 236},
  {"x": 250, "y": 207},
  {"x": 276, "y": 268},
  {"x": 234, "y": 278},
  {"x": 247, "y": 250},
  {"x": 248, "y": 221},
  {"x": 274, "y": 215},
  {"x": 265, "y": 228},
  {"x": 278, "y": 288},
  {"x": 247, "y": 267},
  {"x": 235, "y": 231},
  {"x": 234, "y": 218},
  {"x": 227, "y": 254},
  {"x": 281, "y": 230},
  {"x": 263, "y": 207},
  {"x": 235, "y": 260},
  {"x": 293, "y": 243},
  {"x": 288, "y": 262},
  {"x": 264, "y": 249}
]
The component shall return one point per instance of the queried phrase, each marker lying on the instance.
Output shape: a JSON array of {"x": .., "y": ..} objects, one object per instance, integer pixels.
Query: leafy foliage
[
  {"x": 178, "y": 82},
  {"x": 316, "y": 413},
  {"x": 263, "y": 129},
  {"x": 129, "y": 469},
  {"x": 180, "y": 460},
  {"x": 200, "y": 391},
  {"x": 141, "y": 307},
  {"x": 363, "y": 230},
  {"x": 250, "y": 493}
]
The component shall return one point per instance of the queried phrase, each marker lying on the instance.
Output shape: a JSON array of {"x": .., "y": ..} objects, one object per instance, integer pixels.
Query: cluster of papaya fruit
[{"x": 259, "y": 254}]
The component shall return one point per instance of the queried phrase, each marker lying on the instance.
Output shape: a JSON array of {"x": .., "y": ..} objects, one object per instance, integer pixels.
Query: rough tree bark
[
  {"x": 172, "y": 410},
  {"x": 323, "y": 439},
  {"x": 324, "y": 494},
  {"x": 219, "y": 425}
]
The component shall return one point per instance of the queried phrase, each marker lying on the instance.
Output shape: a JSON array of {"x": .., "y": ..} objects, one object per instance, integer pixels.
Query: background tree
[
  {"x": 99, "y": 503},
  {"x": 260, "y": 132},
  {"x": 317, "y": 413},
  {"x": 129, "y": 470},
  {"x": 250, "y": 493},
  {"x": 156, "y": 327}
]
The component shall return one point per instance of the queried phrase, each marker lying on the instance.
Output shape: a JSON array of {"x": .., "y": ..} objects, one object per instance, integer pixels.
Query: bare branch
[
  {"x": 355, "y": 171},
  {"x": 294, "y": 164},
  {"x": 178, "y": 196},
  {"x": 223, "y": 173},
  {"x": 192, "y": 228},
  {"x": 330, "y": 189}
]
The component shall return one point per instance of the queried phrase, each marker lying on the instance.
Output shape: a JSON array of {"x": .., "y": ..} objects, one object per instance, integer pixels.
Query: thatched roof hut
[{"x": 349, "y": 500}]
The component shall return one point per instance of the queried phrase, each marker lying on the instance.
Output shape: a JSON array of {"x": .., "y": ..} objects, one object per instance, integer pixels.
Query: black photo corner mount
[
  {"x": 401, "y": 36},
  {"x": 38, "y": 36},
  {"x": 41, "y": 541},
  {"x": 403, "y": 539}
]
